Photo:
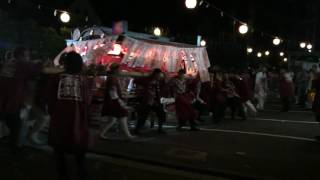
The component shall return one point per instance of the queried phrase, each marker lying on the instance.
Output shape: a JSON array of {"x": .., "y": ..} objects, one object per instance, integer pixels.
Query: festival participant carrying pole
[
  {"x": 150, "y": 101},
  {"x": 68, "y": 131},
  {"x": 184, "y": 110},
  {"x": 114, "y": 107}
]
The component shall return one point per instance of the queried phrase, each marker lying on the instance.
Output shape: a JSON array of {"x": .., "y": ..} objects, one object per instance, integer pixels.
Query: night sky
[
  {"x": 285, "y": 18},
  {"x": 291, "y": 20},
  {"x": 282, "y": 18}
]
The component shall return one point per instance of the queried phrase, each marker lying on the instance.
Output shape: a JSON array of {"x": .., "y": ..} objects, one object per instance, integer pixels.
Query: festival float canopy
[{"x": 143, "y": 55}]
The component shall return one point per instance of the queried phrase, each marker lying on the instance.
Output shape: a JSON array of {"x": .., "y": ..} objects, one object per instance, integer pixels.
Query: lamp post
[
  {"x": 65, "y": 17},
  {"x": 191, "y": 4},
  {"x": 157, "y": 31},
  {"x": 243, "y": 29},
  {"x": 276, "y": 41}
]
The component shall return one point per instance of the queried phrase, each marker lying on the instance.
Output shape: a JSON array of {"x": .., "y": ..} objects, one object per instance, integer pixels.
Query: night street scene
[{"x": 160, "y": 90}]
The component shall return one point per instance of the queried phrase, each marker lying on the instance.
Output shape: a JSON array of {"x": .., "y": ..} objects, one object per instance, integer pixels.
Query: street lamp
[
  {"x": 243, "y": 29},
  {"x": 281, "y": 54},
  {"x": 191, "y": 4},
  {"x": 285, "y": 59},
  {"x": 249, "y": 50},
  {"x": 309, "y": 46},
  {"x": 303, "y": 45},
  {"x": 157, "y": 31},
  {"x": 203, "y": 43},
  {"x": 259, "y": 54},
  {"x": 65, "y": 17},
  {"x": 267, "y": 53},
  {"x": 276, "y": 41}
]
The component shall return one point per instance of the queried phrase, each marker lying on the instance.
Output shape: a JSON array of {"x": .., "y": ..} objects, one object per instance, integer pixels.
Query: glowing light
[
  {"x": 303, "y": 45},
  {"x": 249, "y": 50},
  {"x": 276, "y": 41},
  {"x": 243, "y": 29},
  {"x": 203, "y": 43},
  {"x": 157, "y": 31},
  {"x": 310, "y": 51},
  {"x": 281, "y": 54},
  {"x": 309, "y": 46},
  {"x": 285, "y": 59},
  {"x": 65, "y": 17},
  {"x": 267, "y": 53},
  {"x": 96, "y": 47},
  {"x": 116, "y": 50},
  {"x": 191, "y": 4},
  {"x": 259, "y": 54}
]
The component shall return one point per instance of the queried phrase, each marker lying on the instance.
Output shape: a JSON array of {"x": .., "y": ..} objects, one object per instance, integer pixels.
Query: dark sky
[
  {"x": 272, "y": 16},
  {"x": 290, "y": 19}
]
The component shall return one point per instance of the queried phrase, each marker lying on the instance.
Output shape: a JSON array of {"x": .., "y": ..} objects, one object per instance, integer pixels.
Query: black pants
[
  {"x": 236, "y": 107},
  {"x": 61, "y": 162},
  {"x": 144, "y": 112},
  {"x": 14, "y": 123},
  {"x": 200, "y": 108},
  {"x": 302, "y": 96},
  {"x": 218, "y": 111},
  {"x": 285, "y": 103}
]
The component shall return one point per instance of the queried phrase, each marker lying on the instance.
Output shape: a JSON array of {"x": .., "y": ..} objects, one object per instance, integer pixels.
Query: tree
[{"x": 43, "y": 41}]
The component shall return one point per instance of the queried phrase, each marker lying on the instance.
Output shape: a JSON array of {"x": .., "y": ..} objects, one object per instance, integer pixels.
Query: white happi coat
[{"x": 261, "y": 85}]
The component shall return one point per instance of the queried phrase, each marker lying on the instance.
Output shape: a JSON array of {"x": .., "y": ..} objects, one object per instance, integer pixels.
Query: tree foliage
[{"x": 44, "y": 42}]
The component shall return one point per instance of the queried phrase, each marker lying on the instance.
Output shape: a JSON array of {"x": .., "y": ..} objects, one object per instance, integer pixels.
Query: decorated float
[{"x": 137, "y": 56}]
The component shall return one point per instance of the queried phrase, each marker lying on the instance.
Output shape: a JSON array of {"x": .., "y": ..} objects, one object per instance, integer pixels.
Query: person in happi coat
[
  {"x": 14, "y": 76},
  {"x": 286, "y": 90},
  {"x": 261, "y": 88},
  {"x": 302, "y": 80},
  {"x": 195, "y": 87},
  {"x": 233, "y": 99},
  {"x": 247, "y": 85},
  {"x": 183, "y": 100},
  {"x": 114, "y": 108},
  {"x": 218, "y": 97},
  {"x": 68, "y": 130},
  {"x": 241, "y": 91},
  {"x": 316, "y": 103},
  {"x": 39, "y": 105},
  {"x": 150, "y": 101}
]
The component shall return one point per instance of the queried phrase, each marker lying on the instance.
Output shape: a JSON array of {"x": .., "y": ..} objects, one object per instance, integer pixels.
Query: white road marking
[
  {"x": 285, "y": 121},
  {"x": 261, "y": 134},
  {"x": 253, "y": 133},
  {"x": 271, "y": 110}
]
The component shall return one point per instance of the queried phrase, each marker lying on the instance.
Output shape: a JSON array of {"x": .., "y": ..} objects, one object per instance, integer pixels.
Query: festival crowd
[{"x": 61, "y": 96}]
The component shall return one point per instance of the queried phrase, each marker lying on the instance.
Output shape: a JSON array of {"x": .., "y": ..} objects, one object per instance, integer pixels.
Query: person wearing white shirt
[{"x": 261, "y": 87}]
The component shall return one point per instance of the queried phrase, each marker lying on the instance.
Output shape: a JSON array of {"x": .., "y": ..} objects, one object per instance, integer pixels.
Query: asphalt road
[{"x": 273, "y": 145}]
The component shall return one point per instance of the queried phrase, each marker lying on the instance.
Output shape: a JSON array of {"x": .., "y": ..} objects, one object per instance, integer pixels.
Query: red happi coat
[
  {"x": 151, "y": 91},
  {"x": 218, "y": 95},
  {"x": 241, "y": 88},
  {"x": 112, "y": 107},
  {"x": 205, "y": 92},
  {"x": 248, "y": 88},
  {"x": 316, "y": 87},
  {"x": 184, "y": 109},
  {"x": 13, "y": 79},
  {"x": 197, "y": 88},
  {"x": 69, "y": 122},
  {"x": 286, "y": 88}
]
